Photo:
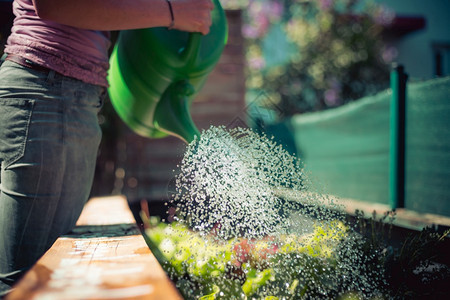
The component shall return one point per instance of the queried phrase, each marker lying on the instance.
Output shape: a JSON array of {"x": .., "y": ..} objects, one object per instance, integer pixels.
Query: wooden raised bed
[{"x": 105, "y": 257}]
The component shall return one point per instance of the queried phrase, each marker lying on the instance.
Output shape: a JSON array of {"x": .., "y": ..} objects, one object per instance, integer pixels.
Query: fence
[{"x": 391, "y": 148}]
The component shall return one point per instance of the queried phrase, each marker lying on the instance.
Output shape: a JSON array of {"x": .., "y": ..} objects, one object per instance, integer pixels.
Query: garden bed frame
[{"x": 104, "y": 257}]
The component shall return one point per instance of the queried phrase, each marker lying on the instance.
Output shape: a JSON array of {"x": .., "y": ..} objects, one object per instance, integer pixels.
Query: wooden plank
[{"x": 105, "y": 257}]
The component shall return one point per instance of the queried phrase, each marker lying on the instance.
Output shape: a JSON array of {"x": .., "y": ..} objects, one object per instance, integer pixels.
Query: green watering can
[{"x": 155, "y": 74}]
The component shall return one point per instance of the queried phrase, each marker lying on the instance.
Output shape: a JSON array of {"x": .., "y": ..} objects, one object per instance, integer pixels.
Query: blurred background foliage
[{"x": 312, "y": 55}]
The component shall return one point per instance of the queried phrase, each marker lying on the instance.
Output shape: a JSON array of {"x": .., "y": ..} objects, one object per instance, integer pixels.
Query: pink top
[{"x": 74, "y": 52}]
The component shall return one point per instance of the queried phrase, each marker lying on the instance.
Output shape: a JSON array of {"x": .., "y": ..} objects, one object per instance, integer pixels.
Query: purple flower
[
  {"x": 275, "y": 10},
  {"x": 250, "y": 32},
  {"x": 389, "y": 54},
  {"x": 256, "y": 63},
  {"x": 331, "y": 96},
  {"x": 383, "y": 16},
  {"x": 326, "y": 4}
]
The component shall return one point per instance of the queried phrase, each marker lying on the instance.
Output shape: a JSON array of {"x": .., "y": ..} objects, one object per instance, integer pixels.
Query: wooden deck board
[{"x": 105, "y": 257}]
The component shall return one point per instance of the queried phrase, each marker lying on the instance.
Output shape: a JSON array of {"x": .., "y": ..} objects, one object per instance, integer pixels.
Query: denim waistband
[{"x": 26, "y": 62}]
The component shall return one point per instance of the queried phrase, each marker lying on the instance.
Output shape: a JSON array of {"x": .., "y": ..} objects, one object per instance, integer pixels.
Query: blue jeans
[{"x": 49, "y": 137}]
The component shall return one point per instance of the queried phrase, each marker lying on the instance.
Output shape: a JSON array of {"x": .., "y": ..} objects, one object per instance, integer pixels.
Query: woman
[{"x": 52, "y": 84}]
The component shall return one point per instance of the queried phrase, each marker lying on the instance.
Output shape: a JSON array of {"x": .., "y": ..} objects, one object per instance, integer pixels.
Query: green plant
[
  {"x": 312, "y": 55},
  {"x": 203, "y": 267},
  {"x": 334, "y": 261}
]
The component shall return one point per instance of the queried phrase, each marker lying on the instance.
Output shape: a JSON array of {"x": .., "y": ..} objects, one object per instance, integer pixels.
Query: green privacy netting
[
  {"x": 346, "y": 150},
  {"x": 427, "y": 186}
]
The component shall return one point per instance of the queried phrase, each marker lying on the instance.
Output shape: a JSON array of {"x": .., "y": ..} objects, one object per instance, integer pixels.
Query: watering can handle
[{"x": 190, "y": 53}]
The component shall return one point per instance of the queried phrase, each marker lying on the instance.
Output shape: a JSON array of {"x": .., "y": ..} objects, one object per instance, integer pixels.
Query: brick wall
[{"x": 142, "y": 168}]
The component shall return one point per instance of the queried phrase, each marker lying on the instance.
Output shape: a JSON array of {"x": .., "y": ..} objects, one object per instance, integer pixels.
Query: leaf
[
  {"x": 211, "y": 296},
  {"x": 252, "y": 284}
]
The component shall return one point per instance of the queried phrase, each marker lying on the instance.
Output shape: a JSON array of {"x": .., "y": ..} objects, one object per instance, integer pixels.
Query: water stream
[{"x": 235, "y": 184}]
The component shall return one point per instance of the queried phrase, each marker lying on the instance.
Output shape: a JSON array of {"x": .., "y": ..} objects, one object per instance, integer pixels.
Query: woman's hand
[{"x": 192, "y": 15}]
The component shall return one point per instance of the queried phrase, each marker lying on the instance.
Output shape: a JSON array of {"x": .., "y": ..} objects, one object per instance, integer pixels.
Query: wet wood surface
[{"x": 105, "y": 257}]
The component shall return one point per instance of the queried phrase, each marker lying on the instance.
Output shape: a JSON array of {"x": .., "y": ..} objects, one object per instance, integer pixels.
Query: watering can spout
[{"x": 172, "y": 113}]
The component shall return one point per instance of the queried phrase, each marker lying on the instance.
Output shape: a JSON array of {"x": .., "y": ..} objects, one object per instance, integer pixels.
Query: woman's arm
[{"x": 189, "y": 15}]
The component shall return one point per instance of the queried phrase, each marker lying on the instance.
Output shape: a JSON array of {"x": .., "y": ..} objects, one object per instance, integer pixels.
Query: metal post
[{"x": 397, "y": 137}]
